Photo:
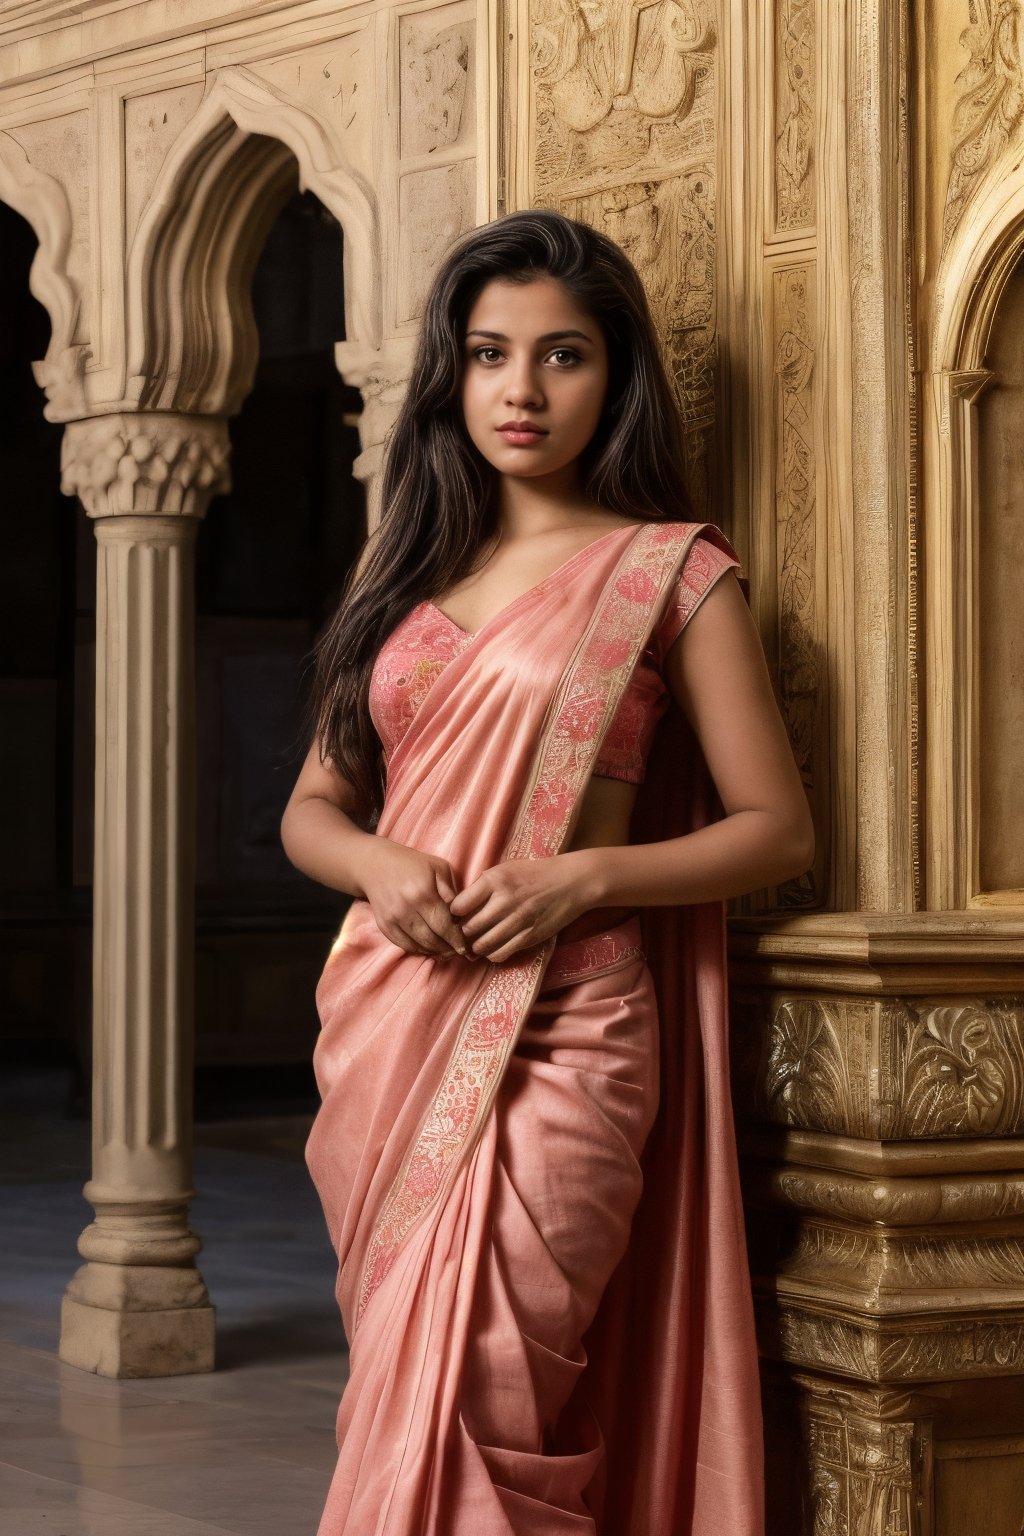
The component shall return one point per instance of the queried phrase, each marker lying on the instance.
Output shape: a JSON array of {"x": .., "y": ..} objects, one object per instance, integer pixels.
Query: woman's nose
[{"x": 522, "y": 384}]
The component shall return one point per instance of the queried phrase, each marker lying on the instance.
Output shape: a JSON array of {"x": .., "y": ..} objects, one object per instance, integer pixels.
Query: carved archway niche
[
  {"x": 971, "y": 851},
  {"x": 191, "y": 344}
]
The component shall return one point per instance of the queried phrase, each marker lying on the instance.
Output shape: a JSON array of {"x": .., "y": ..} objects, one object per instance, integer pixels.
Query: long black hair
[{"x": 439, "y": 502}]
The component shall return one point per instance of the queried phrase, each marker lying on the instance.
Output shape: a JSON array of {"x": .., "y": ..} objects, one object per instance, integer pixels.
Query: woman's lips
[{"x": 520, "y": 439}]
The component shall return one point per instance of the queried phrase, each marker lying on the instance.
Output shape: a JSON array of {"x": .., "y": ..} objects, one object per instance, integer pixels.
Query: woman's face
[{"x": 531, "y": 355}]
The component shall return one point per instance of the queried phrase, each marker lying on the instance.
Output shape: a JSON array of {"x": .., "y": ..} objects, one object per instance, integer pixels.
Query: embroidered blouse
[{"x": 419, "y": 648}]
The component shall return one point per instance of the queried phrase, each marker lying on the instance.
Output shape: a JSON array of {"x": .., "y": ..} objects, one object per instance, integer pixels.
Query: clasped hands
[{"x": 510, "y": 907}]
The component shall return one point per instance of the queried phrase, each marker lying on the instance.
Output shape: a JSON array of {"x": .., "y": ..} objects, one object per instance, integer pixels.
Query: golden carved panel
[
  {"x": 795, "y": 83},
  {"x": 795, "y": 455},
  {"x": 903, "y": 1350},
  {"x": 887, "y": 1068},
  {"x": 890, "y": 1273},
  {"x": 620, "y": 88},
  {"x": 861, "y": 1473}
]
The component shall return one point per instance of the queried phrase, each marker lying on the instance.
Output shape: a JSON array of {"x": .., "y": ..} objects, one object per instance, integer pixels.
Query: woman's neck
[{"x": 531, "y": 506}]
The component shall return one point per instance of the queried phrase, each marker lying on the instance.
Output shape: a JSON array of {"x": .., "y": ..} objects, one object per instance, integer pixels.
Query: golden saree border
[{"x": 582, "y": 708}]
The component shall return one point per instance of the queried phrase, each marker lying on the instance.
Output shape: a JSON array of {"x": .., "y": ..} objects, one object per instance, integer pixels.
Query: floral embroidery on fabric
[
  {"x": 474, "y": 1066},
  {"x": 628, "y": 740},
  {"x": 409, "y": 663},
  {"x": 593, "y": 688}
]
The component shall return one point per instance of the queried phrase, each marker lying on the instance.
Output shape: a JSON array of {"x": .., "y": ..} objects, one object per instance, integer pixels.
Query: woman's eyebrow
[{"x": 547, "y": 336}]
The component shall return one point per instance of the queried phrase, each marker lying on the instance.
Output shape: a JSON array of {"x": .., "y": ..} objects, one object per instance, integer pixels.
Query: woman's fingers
[
  {"x": 500, "y": 932},
  {"x": 441, "y": 918},
  {"x": 445, "y": 880},
  {"x": 426, "y": 927},
  {"x": 445, "y": 928},
  {"x": 469, "y": 901},
  {"x": 491, "y": 912}
]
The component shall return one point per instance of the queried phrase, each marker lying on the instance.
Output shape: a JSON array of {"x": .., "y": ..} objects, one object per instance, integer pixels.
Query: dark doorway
[
  {"x": 47, "y": 641},
  {"x": 271, "y": 557}
]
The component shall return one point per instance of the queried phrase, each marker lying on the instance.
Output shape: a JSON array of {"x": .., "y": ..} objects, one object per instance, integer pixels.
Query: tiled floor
[{"x": 247, "y": 1448}]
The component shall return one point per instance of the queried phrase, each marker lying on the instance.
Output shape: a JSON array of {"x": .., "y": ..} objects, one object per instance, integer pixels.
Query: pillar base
[{"x": 132, "y": 1321}]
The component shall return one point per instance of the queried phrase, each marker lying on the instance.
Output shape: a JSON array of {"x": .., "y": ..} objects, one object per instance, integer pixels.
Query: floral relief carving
[
  {"x": 954, "y": 1069},
  {"x": 795, "y": 498},
  {"x": 827, "y": 1343},
  {"x": 990, "y": 105},
  {"x": 794, "y": 114},
  {"x": 960, "y": 1349},
  {"x": 889, "y": 1068},
  {"x": 667, "y": 230},
  {"x": 805, "y": 1079},
  {"x": 921, "y": 1200},
  {"x": 883, "y": 1268}
]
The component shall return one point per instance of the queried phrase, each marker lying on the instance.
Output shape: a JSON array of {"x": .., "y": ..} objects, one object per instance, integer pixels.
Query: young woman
[{"x": 546, "y": 750}]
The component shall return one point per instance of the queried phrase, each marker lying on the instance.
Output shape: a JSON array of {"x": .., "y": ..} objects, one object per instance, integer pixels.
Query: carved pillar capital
[
  {"x": 146, "y": 462},
  {"x": 381, "y": 374}
]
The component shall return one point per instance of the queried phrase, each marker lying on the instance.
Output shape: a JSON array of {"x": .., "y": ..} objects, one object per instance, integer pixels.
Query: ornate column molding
[
  {"x": 145, "y": 462},
  {"x": 878, "y": 1068},
  {"x": 869, "y": 1455},
  {"x": 138, "y": 1306}
]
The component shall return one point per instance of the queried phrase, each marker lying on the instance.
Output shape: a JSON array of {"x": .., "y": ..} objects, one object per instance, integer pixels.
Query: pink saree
[{"x": 528, "y": 1169}]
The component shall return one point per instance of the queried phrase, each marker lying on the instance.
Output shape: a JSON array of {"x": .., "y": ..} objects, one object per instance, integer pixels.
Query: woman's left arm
[{"x": 717, "y": 673}]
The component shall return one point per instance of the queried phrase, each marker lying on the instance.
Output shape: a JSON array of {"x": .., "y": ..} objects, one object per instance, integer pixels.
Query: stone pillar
[{"x": 138, "y": 1305}]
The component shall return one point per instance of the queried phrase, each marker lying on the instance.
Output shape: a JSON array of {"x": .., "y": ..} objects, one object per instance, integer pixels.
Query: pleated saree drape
[{"x": 524, "y": 1358}]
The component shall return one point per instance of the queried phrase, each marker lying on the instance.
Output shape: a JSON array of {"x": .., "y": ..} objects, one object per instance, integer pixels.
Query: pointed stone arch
[
  {"x": 191, "y": 341},
  {"x": 988, "y": 242},
  {"x": 41, "y": 200}
]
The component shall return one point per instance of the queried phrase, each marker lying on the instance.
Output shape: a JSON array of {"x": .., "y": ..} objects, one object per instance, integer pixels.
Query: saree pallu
[{"x": 528, "y": 1169}]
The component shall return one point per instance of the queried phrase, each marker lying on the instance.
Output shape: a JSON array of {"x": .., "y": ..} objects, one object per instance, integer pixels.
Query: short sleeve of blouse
[{"x": 703, "y": 566}]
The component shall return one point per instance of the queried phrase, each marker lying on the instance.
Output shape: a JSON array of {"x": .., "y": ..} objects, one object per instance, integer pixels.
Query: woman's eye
[{"x": 567, "y": 352}]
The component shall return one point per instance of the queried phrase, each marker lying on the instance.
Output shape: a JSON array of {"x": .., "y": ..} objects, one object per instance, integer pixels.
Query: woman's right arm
[{"x": 408, "y": 891}]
